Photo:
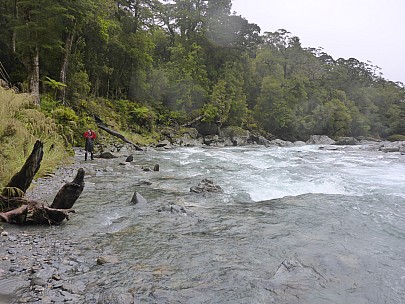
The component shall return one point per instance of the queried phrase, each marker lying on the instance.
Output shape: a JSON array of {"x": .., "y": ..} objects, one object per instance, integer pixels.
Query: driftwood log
[
  {"x": 104, "y": 127},
  {"x": 17, "y": 209}
]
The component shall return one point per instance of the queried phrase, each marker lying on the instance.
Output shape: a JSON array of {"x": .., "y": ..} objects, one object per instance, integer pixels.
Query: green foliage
[
  {"x": 126, "y": 61},
  {"x": 210, "y": 113},
  {"x": 173, "y": 118},
  {"x": 64, "y": 115},
  {"x": 48, "y": 104},
  {"x": 396, "y": 137},
  {"x": 79, "y": 85},
  {"x": 53, "y": 84},
  {"x": 12, "y": 192},
  {"x": 21, "y": 125},
  {"x": 137, "y": 117}
]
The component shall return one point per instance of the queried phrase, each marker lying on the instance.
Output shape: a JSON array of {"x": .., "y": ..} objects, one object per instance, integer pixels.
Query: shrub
[
  {"x": 63, "y": 115},
  {"x": 396, "y": 137}
]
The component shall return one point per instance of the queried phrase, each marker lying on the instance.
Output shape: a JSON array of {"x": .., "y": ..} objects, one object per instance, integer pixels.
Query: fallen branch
[
  {"x": 190, "y": 123},
  {"x": 104, "y": 127}
]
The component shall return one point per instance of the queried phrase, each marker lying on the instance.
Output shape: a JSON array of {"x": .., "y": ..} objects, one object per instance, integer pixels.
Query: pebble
[{"x": 30, "y": 263}]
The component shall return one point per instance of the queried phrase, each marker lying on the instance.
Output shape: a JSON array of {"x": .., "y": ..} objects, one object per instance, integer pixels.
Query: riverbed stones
[
  {"x": 206, "y": 185},
  {"x": 110, "y": 296},
  {"x": 34, "y": 268}
]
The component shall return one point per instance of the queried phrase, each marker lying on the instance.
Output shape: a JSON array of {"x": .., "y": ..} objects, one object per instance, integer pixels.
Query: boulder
[
  {"x": 106, "y": 155},
  {"x": 206, "y": 185},
  {"x": 299, "y": 143},
  {"x": 347, "y": 141},
  {"x": 173, "y": 208},
  {"x": 281, "y": 143},
  {"x": 163, "y": 144},
  {"x": 137, "y": 198},
  {"x": 188, "y": 137},
  {"x": 320, "y": 140},
  {"x": 205, "y": 128},
  {"x": 236, "y": 135},
  {"x": 129, "y": 159},
  {"x": 259, "y": 140},
  {"x": 212, "y": 140},
  {"x": 396, "y": 146}
]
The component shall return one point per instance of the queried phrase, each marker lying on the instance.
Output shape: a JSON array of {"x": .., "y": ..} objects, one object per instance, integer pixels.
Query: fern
[{"x": 12, "y": 192}]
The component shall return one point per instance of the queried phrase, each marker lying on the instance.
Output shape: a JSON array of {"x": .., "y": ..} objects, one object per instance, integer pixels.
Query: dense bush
[{"x": 396, "y": 137}]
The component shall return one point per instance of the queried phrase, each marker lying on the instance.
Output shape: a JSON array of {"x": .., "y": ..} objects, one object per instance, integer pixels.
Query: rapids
[{"x": 294, "y": 225}]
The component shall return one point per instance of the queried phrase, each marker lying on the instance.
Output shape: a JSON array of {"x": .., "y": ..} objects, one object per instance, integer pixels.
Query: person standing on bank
[{"x": 90, "y": 136}]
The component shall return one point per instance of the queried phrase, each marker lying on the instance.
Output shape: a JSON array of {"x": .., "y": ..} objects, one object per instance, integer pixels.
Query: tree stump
[{"x": 17, "y": 209}]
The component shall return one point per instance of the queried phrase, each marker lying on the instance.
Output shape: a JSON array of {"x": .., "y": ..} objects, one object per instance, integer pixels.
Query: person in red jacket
[{"x": 90, "y": 136}]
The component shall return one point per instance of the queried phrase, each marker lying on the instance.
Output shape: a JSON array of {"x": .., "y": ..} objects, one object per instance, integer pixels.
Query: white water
[
  {"x": 339, "y": 214},
  {"x": 269, "y": 173}
]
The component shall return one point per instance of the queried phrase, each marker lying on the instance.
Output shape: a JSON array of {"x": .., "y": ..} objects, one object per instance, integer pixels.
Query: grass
[{"x": 21, "y": 124}]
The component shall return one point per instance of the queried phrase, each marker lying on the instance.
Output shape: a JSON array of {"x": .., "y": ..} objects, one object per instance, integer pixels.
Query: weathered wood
[
  {"x": 104, "y": 127},
  {"x": 31, "y": 212},
  {"x": 20, "y": 213},
  {"x": 20, "y": 210},
  {"x": 45, "y": 215},
  {"x": 190, "y": 123},
  {"x": 70, "y": 192},
  {"x": 24, "y": 177}
]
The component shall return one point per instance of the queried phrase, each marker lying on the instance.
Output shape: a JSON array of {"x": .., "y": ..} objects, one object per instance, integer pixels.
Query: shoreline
[{"x": 33, "y": 259}]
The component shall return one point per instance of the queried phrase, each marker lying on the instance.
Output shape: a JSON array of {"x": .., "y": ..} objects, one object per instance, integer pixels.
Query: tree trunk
[
  {"x": 14, "y": 35},
  {"x": 70, "y": 192},
  {"x": 20, "y": 210},
  {"x": 65, "y": 63},
  {"x": 34, "y": 76},
  {"x": 23, "y": 179}
]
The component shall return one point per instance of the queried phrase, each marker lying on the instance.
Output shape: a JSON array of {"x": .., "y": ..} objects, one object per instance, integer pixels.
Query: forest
[{"x": 169, "y": 62}]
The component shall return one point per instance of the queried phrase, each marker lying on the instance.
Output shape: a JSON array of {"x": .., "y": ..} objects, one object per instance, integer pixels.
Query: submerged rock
[
  {"x": 206, "y": 185},
  {"x": 396, "y": 146},
  {"x": 137, "y": 198},
  {"x": 106, "y": 155}
]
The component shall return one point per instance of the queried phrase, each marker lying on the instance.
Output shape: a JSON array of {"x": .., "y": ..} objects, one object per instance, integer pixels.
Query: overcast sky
[{"x": 371, "y": 30}]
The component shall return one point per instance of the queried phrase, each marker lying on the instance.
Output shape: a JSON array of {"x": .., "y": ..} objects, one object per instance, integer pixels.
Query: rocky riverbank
[
  {"x": 38, "y": 262},
  {"x": 35, "y": 260}
]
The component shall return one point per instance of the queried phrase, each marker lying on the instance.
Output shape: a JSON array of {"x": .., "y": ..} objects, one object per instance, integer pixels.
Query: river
[{"x": 294, "y": 225}]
